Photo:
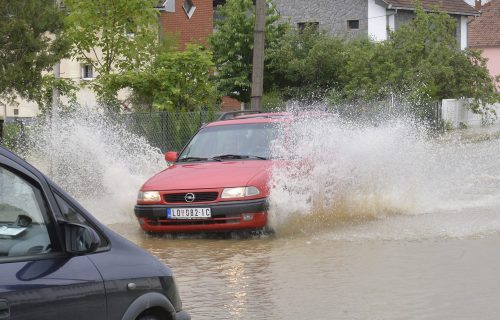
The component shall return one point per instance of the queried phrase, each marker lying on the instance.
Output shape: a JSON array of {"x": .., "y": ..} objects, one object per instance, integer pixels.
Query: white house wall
[
  {"x": 71, "y": 70},
  {"x": 377, "y": 21},
  {"x": 463, "y": 33},
  {"x": 456, "y": 114}
]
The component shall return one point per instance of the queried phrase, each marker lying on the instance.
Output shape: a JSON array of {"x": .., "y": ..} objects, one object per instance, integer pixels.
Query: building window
[
  {"x": 311, "y": 26},
  {"x": 168, "y": 6},
  {"x": 352, "y": 24},
  {"x": 16, "y": 112},
  {"x": 189, "y": 8},
  {"x": 87, "y": 72}
]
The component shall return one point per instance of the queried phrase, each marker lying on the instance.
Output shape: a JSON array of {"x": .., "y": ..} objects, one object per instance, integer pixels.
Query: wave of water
[
  {"x": 392, "y": 180},
  {"x": 95, "y": 158},
  {"x": 346, "y": 180}
]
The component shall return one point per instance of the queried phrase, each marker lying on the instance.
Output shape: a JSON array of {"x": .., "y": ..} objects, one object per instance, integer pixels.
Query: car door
[{"x": 38, "y": 279}]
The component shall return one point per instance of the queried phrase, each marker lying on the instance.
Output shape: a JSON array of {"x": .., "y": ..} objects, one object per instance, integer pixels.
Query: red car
[{"x": 219, "y": 182}]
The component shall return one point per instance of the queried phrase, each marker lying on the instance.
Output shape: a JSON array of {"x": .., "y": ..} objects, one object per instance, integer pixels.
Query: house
[
  {"x": 191, "y": 21},
  {"x": 188, "y": 20},
  {"x": 369, "y": 17},
  {"x": 484, "y": 34},
  {"x": 67, "y": 69}
]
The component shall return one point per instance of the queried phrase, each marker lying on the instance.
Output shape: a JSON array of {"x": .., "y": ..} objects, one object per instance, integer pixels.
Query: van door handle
[{"x": 4, "y": 310}]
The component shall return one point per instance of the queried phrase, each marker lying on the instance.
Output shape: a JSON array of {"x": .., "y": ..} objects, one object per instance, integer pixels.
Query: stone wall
[{"x": 332, "y": 15}]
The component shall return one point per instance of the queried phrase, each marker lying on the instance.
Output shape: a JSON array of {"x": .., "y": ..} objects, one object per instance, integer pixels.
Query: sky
[{"x": 471, "y": 2}]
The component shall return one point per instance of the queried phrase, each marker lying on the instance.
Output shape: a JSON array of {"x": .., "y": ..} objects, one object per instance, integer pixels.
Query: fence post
[
  {"x": 439, "y": 114},
  {"x": 1, "y": 130},
  {"x": 163, "y": 125}
]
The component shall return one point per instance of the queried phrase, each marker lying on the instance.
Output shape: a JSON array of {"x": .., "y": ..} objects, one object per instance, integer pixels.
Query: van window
[
  {"x": 23, "y": 228},
  {"x": 72, "y": 215}
]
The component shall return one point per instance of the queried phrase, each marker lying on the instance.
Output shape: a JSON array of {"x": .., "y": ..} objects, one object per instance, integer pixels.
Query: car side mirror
[
  {"x": 171, "y": 156},
  {"x": 80, "y": 239}
]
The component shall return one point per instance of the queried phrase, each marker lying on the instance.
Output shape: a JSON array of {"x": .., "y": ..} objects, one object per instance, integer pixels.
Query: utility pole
[
  {"x": 55, "y": 91},
  {"x": 57, "y": 74},
  {"x": 258, "y": 55},
  {"x": 2, "y": 120}
]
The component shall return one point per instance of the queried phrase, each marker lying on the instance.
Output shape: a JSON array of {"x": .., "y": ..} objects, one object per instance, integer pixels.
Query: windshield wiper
[
  {"x": 237, "y": 156},
  {"x": 257, "y": 157},
  {"x": 186, "y": 159},
  {"x": 228, "y": 156}
]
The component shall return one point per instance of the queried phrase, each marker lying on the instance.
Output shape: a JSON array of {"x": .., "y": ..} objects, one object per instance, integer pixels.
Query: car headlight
[
  {"x": 239, "y": 192},
  {"x": 149, "y": 196}
]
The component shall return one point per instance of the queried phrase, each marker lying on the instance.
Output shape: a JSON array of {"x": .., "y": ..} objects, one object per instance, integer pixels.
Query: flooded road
[
  {"x": 374, "y": 222},
  {"x": 321, "y": 277}
]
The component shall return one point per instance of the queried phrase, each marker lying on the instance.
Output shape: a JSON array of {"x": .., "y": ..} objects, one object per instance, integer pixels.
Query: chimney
[{"x": 478, "y": 5}]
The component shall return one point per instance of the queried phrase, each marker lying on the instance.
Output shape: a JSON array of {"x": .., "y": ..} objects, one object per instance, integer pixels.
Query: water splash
[
  {"x": 345, "y": 180},
  {"x": 95, "y": 158},
  {"x": 345, "y": 177}
]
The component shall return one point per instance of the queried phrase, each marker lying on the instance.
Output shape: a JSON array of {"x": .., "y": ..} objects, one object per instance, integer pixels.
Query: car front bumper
[{"x": 226, "y": 216}]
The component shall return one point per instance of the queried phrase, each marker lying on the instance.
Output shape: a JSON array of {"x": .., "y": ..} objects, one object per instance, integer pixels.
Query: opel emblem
[{"x": 189, "y": 197}]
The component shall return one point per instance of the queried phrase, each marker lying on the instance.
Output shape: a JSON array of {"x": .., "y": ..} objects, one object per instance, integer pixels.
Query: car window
[
  {"x": 72, "y": 215},
  {"x": 241, "y": 139},
  {"x": 23, "y": 225}
]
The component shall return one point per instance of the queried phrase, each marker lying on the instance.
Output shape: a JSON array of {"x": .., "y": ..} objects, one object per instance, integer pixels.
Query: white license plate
[{"x": 189, "y": 213}]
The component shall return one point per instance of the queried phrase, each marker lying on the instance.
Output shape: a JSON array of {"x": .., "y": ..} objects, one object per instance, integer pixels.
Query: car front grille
[
  {"x": 198, "y": 197},
  {"x": 217, "y": 219}
]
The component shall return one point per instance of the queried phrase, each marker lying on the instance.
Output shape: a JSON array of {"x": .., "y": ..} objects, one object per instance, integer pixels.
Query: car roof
[{"x": 248, "y": 118}]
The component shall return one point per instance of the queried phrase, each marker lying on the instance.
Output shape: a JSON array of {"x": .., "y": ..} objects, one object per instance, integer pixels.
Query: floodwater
[
  {"x": 315, "y": 277},
  {"x": 372, "y": 221}
]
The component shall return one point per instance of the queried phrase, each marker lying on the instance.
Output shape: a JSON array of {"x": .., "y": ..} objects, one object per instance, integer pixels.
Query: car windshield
[{"x": 238, "y": 141}]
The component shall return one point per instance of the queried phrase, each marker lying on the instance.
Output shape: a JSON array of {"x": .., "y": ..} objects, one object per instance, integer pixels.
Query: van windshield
[{"x": 238, "y": 141}]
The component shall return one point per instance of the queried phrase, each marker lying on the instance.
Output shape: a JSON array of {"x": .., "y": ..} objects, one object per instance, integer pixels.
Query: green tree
[
  {"x": 232, "y": 45},
  {"x": 113, "y": 36},
  {"x": 429, "y": 60},
  {"x": 421, "y": 59},
  {"x": 305, "y": 64},
  {"x": 175, "y": 81},
  {"x": 30, "y": 44}
]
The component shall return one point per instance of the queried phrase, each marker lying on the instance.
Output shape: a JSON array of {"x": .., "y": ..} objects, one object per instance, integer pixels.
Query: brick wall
[
  {"x": 196, "y": 29},
  {"x": 230, "y": 104}
]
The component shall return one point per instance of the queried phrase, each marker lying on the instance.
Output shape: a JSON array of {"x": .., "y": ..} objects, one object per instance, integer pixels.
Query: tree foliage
[
  {"x": 426, "y": 59},
  {"x": 305, "y": 64},
  {"x": 113, "y": 36},
  {"x": 29, "y": 44},
  {"x": 421, "y": 60},
  {"x": 232, "y": 45},
  {"x": 175, "y": 81}
]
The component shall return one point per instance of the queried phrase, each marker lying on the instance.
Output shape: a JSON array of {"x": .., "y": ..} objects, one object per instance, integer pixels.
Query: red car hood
[{"x": 207, "y": 175}]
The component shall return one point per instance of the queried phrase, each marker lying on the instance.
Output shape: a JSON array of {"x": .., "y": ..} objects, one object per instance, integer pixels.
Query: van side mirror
[
  {"x": 80, "y": 239},
  {"x": 171, "y": 156}
]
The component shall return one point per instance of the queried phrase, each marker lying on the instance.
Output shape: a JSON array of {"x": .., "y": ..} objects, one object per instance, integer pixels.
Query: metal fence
[
  {"x": 428, "y": 112},
  {"x": 171, "y": 131},
  {"x": 167, "y": 130},
  {"x": 13, "y": 133}
]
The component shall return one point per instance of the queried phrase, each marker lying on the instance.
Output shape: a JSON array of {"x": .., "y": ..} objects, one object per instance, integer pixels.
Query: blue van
[{"x": 58, "y": 262}]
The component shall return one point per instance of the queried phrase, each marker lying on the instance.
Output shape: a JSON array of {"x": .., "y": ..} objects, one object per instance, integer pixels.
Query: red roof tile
[
  {"x": 484, "y": 31},
  {"x": 449, "y": 6}
]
